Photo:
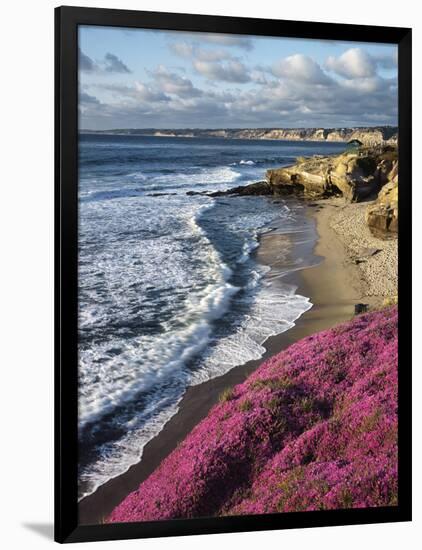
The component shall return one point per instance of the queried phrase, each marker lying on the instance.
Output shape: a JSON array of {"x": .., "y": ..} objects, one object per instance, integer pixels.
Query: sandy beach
[
  {"x": 354, "y": 267},
  {"x": 376, "y": 259}
]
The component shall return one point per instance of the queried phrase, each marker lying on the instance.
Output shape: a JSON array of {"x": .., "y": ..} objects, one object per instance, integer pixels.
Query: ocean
[{"x": 170, "y": 292}]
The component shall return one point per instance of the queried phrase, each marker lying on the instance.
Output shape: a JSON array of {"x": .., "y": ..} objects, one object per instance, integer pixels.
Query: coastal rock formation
[
  {"x": 369, "y": 136},
  {"x": 382, "y": 216},
  {"x": 355, "y": 175},
  {"x": 313, "y": 428},
  {"x": 257, "y": 188}
]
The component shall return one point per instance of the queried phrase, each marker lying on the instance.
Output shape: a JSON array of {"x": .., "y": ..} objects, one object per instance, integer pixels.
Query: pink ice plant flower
[{"x": 313, "y": 428}]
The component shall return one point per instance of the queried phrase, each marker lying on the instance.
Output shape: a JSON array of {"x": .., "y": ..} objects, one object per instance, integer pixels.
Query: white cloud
[
  {"x": 354, "y": 63},
  {"x": 172, "y": 83},
  {"x": 231, "y": 71},
  {"x": 300, "y": 68},
  {"x": 364, "y": 85},
  {"x": 213, "y": 64},
  {"x": 192, "y": 51},
  {"x": 137, "y": 93},
  {"x": 183, "y": 49},
  {"x": 259, "y": 76},
  {"x": 146, "y": 93},
  {"x": 231, "y": 40},
  {"x": 294, "y": 92}
]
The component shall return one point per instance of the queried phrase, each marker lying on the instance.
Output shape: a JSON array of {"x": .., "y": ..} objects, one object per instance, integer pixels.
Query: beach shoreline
[{"x": 334, "y": 286}]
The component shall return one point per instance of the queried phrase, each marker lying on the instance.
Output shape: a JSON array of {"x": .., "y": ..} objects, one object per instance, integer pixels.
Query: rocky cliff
[
  {"x": 313, "y": 428},
  {"x": 366, "y": 135},
  {"x": 356, "y": 175},
  {"x": 382, "y": 217}
]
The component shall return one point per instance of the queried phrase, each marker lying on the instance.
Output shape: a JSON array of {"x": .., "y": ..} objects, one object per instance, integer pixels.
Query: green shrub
[
  {"x": 226, "y": 395},
  {"x": 246, "y": 405},
  {"x": 279, "y": 383},
  {"x": 307, "y": 404}
]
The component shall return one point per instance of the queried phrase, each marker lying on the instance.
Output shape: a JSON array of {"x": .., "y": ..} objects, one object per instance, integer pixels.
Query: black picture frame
[{"x": 67, "y": 20}]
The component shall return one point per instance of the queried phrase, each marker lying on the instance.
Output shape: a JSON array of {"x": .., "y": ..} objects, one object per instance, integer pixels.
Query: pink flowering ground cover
[{"x": 314, "y": 427}]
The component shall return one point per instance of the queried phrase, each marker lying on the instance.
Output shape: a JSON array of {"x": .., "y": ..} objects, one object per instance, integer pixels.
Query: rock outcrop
[
  {"x": 382, "y": 216},
  {"x": 253, "y": 189},
  {"x": 308, "y": 177},
  {"x": 355, "y": 175}
]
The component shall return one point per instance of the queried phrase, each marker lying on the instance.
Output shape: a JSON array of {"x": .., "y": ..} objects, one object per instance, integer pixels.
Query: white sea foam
[
  {"x": 128, "y": 449},
  {"x": 248, "y": 246},
  {"x": 272, "y": 311},
  {"x": 107, "y": 379},
  {"x": 220, "y": 177},
  {"x": 139, "y": 183}
]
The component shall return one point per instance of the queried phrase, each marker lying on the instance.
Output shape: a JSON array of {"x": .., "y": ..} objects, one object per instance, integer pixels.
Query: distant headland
[{"x": 370, "y": 135}]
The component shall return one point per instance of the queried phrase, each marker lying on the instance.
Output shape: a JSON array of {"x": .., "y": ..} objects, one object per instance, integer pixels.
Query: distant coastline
[{"x": 366, "y": 135}]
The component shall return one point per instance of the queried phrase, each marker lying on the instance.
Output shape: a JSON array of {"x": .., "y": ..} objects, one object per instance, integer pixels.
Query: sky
[{"x": 138, "y": 78}]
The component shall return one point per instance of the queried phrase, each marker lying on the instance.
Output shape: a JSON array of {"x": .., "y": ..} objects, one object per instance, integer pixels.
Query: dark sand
[{"x": 333, "y": 286}]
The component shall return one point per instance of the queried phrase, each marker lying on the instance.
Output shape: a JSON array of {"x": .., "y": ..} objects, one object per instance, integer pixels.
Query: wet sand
[{"x": 334, "y": 286}]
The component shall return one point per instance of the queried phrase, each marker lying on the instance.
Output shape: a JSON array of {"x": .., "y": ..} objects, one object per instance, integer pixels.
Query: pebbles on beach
[{"x": 376, "y": 259}]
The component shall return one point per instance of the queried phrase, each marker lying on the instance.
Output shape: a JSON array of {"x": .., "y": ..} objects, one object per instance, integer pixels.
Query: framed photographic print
[{"x": 233, "y": 292}]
